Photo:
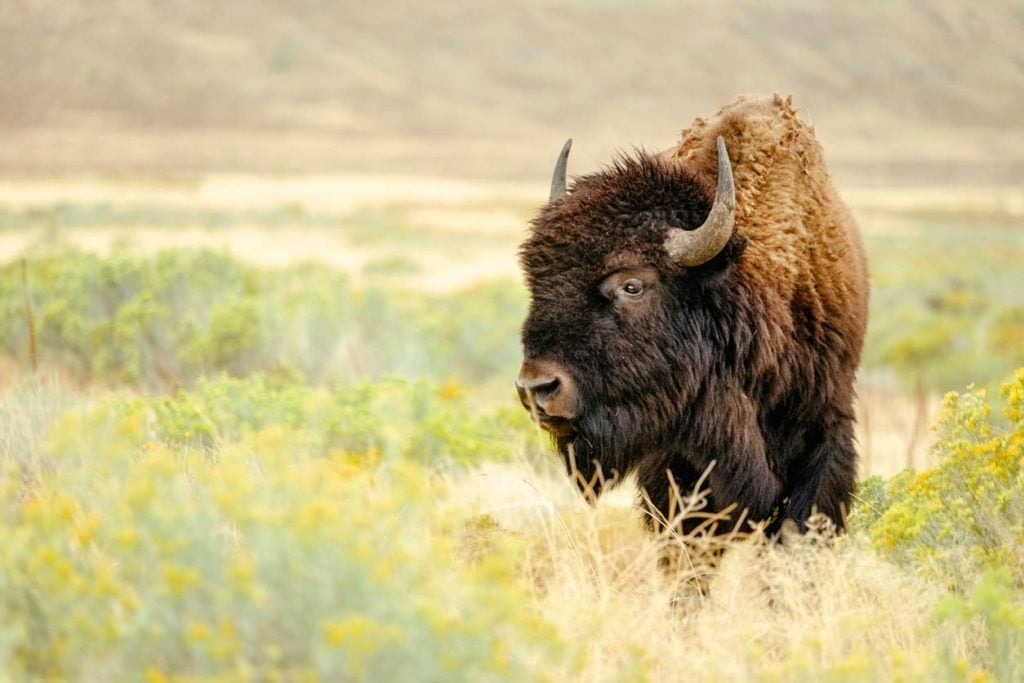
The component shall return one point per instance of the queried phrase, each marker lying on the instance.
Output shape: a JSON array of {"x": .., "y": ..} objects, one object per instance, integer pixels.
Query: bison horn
[
  {"x": 558, "y": 179},
  {"x": 691, "y": 248}
]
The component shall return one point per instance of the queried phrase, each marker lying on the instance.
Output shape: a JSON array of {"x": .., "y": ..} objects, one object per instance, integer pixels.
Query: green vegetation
[
  {"x": 944, "y": 314},
  {"x": 966, "y": 514},
  {"x": 265, "y": 529},
  {"x": 266, "y": 557},
  {"x": 164, "y": 321},
  {"x": 280, "y": 474},
  {"x": 390, "y": 419},
  {"x": 74, "y": 215},
  {"x": 947, "y": 304}
]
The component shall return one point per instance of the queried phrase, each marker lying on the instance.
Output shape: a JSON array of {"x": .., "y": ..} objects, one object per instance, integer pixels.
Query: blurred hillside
[{"x": 907, "y": 92}]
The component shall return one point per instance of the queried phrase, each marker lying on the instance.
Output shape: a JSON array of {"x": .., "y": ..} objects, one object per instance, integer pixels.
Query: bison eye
[
  {"x": 628, "y": 284},
  {"x": 633, "y": 287}
]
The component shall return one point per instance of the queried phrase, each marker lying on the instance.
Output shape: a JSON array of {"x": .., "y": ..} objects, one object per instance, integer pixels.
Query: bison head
[{"x": 622, "y": 273}]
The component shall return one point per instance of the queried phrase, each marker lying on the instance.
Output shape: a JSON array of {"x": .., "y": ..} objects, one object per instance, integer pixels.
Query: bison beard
[{"x": 674, "y": 326}]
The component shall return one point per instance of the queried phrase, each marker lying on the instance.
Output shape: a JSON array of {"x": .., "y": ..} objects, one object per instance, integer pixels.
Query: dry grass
[
  {"x": 461, "y": 232},
  {"x": 893, "y": 430},
  {"x": 785, "y": 612},
  {"x": 458, "y": 231}
]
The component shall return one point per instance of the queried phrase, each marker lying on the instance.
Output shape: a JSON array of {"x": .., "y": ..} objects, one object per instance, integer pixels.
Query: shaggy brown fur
[{"x": 747, "y": 360}]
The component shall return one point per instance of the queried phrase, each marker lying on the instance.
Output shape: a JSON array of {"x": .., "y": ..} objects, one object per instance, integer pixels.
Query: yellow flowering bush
[
  {"x": 260, "y": 557},
  {"x": 264, "y": 529},
  {"x": 395, "y": 417},
  {"x": 966, "y": 514}
]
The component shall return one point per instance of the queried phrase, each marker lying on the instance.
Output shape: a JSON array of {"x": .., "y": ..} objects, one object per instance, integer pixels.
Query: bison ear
[{"x": 558, "y": 177}]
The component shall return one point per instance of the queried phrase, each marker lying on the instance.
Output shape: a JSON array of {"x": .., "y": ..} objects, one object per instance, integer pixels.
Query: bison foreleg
[
  {"x": 730, "y": 444},
  {"x": 670, "y": 493},
  {"x": 825, "y": 477},
  {"x": 742, "y": 477}
]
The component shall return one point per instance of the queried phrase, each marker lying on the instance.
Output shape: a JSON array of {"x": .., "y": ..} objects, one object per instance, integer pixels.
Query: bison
[{"x": 700, "y": 312}]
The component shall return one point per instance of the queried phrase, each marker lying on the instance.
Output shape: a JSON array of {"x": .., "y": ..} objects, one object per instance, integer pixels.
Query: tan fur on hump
[{"x": 800, "y": 234}]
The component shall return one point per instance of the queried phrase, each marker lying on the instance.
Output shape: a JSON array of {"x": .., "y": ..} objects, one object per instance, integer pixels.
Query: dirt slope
[{"x": 899, "y": 89}]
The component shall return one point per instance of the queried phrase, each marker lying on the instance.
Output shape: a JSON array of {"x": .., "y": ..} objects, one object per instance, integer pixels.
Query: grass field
[{"x": 265, "y": 430}]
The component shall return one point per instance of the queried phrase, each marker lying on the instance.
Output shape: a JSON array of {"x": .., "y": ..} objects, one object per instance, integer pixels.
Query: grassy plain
[{"x": 270, "y": 435}]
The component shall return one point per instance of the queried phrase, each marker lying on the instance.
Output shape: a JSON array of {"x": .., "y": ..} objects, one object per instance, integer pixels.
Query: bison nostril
[
  {"x": 544, "y": 388},
  {"x": 537, "y": 390},
  {"x": 547, "y": 389}
]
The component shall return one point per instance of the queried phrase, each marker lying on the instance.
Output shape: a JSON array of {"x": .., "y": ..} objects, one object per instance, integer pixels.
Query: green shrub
[
  {"x": 162, "y": 322},
  {"x": 262, "y": 528},
  {"x": 991, "y": 614},
  {"x": 260, "y": 560},
  {"x": 938, "y": 320},
  {"x": 1007, "y": 334},
  {"x": 966, "y": 514},
  {"x": 945, "y": 304},
  {"x": 393, "y": 418}
]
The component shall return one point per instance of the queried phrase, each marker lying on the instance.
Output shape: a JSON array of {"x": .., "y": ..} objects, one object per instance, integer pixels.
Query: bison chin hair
[{"x": 607, "y": 445}]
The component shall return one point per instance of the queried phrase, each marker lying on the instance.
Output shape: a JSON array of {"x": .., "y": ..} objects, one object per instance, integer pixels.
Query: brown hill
[{"x": 905, "y": 91}]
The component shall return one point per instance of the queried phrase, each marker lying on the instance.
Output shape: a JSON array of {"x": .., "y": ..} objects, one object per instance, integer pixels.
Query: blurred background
[
  {"x": 337, "y": 189},
  {"x": 902, "y": 93}
]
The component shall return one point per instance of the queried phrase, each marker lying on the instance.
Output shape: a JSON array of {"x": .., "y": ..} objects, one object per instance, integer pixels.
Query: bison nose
[
  {"x": 541, "y": 388},
  {"x": 548, "y": 387}
]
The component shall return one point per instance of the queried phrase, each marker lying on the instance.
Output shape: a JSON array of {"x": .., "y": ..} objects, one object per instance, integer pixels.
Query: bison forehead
[{"x": 627, "y": 207}]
